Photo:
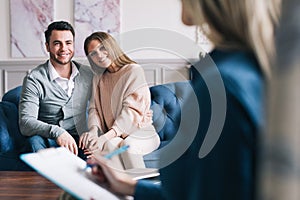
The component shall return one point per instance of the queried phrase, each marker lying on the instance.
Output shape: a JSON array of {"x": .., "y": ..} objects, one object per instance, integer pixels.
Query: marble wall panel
[
  {"x": 29, "y": 20},
  {"x": 95, "y": 15}
]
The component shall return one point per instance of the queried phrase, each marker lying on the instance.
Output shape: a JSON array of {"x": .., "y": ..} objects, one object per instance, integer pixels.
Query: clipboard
[{"x": 65, "y": 170}]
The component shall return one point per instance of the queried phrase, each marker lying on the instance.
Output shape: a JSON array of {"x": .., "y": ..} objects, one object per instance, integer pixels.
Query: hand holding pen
[{"x": 116, "y": 179}]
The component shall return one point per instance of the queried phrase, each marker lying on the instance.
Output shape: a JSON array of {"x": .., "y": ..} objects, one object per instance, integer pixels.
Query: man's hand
[{"x": 67, "y": 141}]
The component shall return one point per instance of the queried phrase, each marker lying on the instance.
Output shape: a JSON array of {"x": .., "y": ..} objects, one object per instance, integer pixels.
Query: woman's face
[{"x": 98, "y": 54}]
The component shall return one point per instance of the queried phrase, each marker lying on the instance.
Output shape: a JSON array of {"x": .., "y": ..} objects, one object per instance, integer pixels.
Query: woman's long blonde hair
[{"x": 241, "y": 24}]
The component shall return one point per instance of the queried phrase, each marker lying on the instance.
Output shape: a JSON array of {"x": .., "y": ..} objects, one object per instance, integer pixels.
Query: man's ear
[{"x": 47, "y": 46}]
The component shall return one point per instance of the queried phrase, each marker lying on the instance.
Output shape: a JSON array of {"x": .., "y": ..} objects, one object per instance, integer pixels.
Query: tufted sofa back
[{"x": 166, "y": 100}]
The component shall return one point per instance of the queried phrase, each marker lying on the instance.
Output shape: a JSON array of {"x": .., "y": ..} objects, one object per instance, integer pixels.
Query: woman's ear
[{"x": 187, "y": 14}]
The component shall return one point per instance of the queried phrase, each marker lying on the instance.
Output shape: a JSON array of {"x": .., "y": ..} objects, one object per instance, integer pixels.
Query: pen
[
  {"x": 116, "y": 152},
  {"x": 110, "y": 155}
]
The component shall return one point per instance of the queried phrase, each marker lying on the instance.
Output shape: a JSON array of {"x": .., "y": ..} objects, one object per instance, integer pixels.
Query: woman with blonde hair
[
  {"x": 119, "y": 112},
  {"x": 242, "y": 34}
]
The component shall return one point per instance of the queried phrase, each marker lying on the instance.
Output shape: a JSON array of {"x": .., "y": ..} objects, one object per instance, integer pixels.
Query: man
[{"x": 52, "y": 109}]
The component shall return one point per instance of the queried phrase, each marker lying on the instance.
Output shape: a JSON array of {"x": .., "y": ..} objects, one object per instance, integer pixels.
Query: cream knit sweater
[{"x": 121, "y": 101}]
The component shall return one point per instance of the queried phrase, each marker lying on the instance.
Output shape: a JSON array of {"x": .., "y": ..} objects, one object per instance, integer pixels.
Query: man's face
[{"x": 60, "y": 47}]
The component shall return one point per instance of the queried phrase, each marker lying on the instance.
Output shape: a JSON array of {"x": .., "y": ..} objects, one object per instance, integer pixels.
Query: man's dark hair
[{"x": 59, "y": 25}]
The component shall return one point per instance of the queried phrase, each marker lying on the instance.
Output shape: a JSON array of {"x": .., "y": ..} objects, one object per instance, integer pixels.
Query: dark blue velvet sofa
[{"x": 166, "y": 118}]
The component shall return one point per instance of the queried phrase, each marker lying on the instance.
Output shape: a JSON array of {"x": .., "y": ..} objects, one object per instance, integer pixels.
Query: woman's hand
[
  {"x": 86, "y": 137},
  {"x": 94, "y": 144},
  {"x": 117, "y": 181},
  {"x": 97, "y": 143},
  {"x": 91, "y": 142}
]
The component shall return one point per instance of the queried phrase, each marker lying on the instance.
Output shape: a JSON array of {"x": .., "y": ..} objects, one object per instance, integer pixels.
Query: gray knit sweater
[{"x": 45, "y": 108}]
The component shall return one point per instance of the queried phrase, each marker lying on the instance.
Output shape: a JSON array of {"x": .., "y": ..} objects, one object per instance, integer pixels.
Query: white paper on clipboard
[{"x": 65, "y": 170}]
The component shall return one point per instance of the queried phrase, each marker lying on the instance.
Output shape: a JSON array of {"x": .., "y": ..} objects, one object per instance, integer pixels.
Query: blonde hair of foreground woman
[{"x": 235, "y": 24}]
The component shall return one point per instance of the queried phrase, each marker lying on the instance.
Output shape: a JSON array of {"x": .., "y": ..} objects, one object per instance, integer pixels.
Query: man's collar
[{"x": 54, "y": 75}]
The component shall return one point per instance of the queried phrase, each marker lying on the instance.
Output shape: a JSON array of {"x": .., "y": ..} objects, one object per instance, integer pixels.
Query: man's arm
[
  {"x": 29, "y": 110},
  {"x": 29, "y": 122}
]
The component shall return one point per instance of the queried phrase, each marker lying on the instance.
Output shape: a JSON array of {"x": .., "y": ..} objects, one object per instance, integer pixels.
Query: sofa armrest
[
  {"x": 10, "y": 136},
  {"x": 13, "y": 95}
]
